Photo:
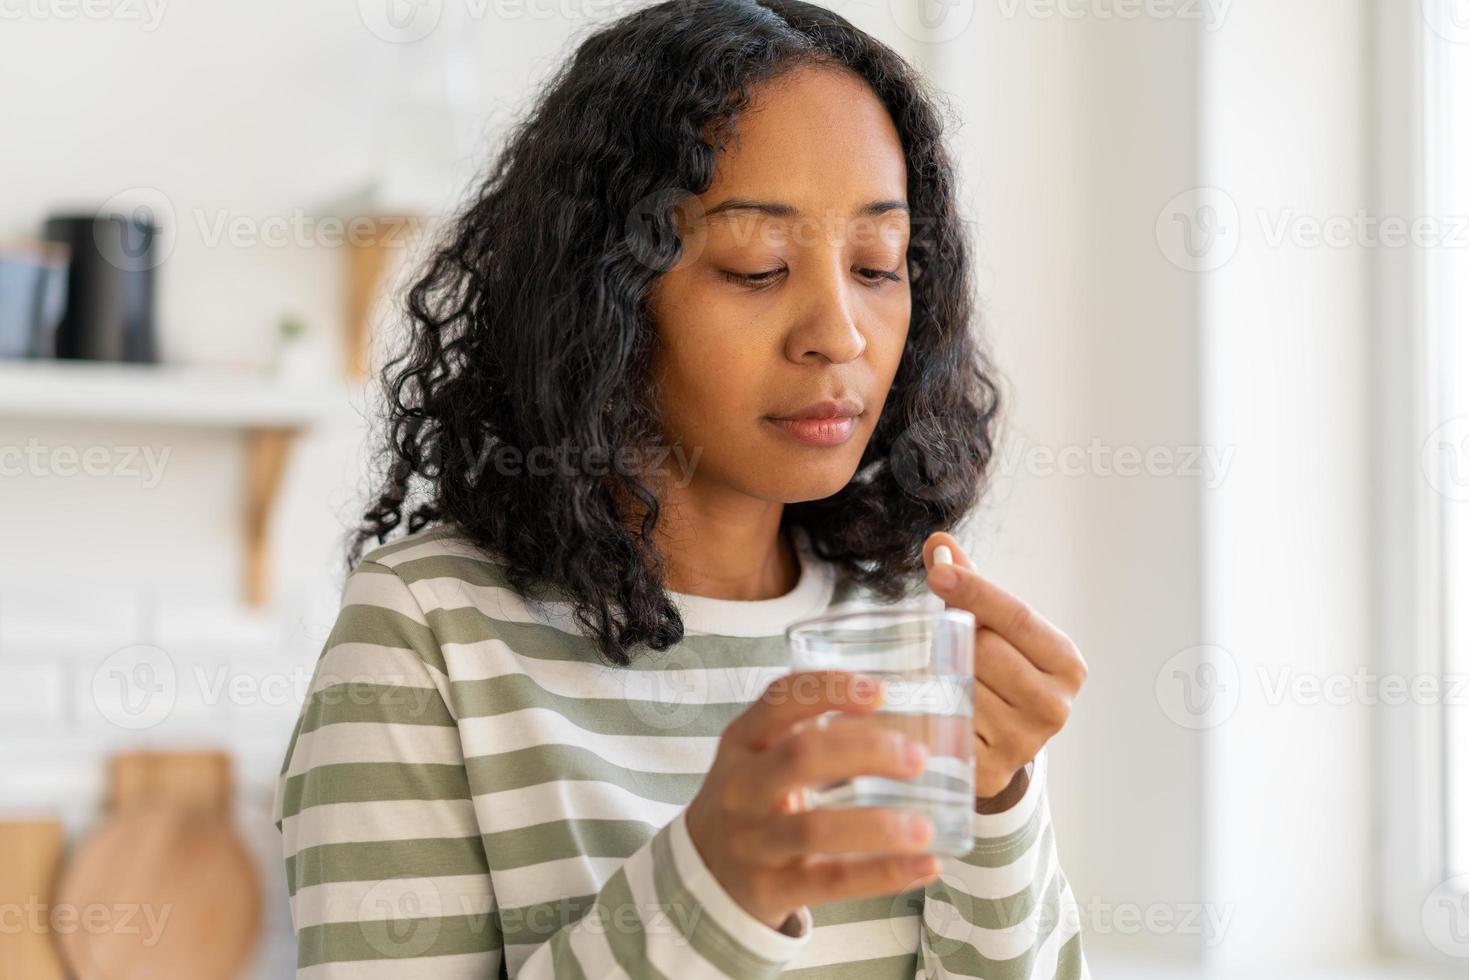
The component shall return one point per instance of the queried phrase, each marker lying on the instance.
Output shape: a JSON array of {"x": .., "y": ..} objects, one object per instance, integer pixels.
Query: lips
[
  {"x": 840, "y": 408},
  {"x": 824, "y": 424}
]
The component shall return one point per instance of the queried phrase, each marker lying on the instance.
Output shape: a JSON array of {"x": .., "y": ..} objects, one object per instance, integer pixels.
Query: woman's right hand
[{"x": 746, "y": 823}]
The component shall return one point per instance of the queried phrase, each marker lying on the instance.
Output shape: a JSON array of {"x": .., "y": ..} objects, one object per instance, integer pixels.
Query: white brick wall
[{"x": 83, "y": 679}]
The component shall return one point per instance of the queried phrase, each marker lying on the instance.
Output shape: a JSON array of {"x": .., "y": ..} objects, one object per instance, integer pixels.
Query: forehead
[{"x": 816, "y": 138}]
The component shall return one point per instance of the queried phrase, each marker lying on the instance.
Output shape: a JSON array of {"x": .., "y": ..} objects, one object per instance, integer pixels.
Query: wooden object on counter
[
  {"x": 368, "y": 249},
  {"x": 32, "y": 850},
  {"x": 176, "y": 891},
  {"x": 199, "y": 779},
  {"x": 265, "y": 462}
]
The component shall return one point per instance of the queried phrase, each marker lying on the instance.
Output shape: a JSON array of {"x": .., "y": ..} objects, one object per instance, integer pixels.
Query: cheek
[
  {"x": 902, "y": 322},
  {"x": 885, "y": 347},
  {"x": 706, "y": 391}
]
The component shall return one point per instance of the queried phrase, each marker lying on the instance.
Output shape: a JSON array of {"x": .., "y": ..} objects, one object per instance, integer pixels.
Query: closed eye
[
  {"x": 872, "y": 276},
  {"x": 752, "y": 278}
]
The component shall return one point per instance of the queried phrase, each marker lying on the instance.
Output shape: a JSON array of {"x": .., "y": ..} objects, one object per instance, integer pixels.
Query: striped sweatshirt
[{"x": 470, "y": 792}]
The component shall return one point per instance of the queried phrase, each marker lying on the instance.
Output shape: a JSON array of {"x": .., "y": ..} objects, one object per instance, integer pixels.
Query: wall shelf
[
  {"x": 268, "y": 412},
  {"x": 90, "y": 391}
]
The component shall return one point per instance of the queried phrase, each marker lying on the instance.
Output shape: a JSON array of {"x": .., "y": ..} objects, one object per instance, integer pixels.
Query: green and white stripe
[{"x": 469, "y": 792}]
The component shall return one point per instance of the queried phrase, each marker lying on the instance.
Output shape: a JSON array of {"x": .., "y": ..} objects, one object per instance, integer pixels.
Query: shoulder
[
  {"x": 439, "y": 566},
  {"x": 441, "y": 546},
  {"x": 460, "y": 590}
]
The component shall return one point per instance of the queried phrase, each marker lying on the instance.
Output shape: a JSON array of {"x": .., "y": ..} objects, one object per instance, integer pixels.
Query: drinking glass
[{"x": 924, "y": 657}]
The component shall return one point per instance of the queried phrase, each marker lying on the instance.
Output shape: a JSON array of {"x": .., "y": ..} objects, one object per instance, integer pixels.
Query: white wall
[
  {"x": 1288, "y": 536},
  {"x": 1076, "y": 133},
  {"x": 1087, "y": 139}
]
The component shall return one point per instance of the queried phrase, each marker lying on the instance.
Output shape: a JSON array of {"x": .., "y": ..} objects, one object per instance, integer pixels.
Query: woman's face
[{"x": 792, "y": 297}]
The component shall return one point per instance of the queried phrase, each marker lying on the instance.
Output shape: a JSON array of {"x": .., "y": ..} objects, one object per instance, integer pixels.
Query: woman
[{"x": 696, "y": 362}]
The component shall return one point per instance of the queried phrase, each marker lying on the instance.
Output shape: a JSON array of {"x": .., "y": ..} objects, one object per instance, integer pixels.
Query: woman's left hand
[{"x": 1026, "y": 671}]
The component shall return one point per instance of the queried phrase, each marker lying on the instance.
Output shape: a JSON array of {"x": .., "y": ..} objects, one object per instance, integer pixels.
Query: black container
[{"x": 109, "y": 290}]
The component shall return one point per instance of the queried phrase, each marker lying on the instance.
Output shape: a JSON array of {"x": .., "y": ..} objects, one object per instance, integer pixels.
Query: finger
[
  {"x": 817, "y": 881},
  {"x": 993, "y": 718},
  {"x": 1002, "y": 668},
  {"x": 1037, "y": 698},
  {"x": 795, "y": 697},
  {"x": 847, "y": 830},
  {"x": 1040, "y": 641},
  {"x": 845, "y": 749}
]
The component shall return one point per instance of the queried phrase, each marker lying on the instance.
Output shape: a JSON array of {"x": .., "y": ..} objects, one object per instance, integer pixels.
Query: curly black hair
[{"x": 528, "y": 326}]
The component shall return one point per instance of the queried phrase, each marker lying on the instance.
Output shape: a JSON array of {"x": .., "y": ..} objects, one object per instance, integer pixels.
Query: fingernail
[
  {"x": 917, "y": 827},
  {"x": 942, "y": 555}
]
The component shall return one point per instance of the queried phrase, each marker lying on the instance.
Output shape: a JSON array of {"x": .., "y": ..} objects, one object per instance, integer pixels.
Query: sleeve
[
  {"x": 1004, "y": 911},
  {"x": 385, "y": 865},
  {"x": 663, "y": 914}
]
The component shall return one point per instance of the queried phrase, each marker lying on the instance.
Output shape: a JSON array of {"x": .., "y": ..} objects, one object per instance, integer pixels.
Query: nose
[{"x": 825, "y": 327}]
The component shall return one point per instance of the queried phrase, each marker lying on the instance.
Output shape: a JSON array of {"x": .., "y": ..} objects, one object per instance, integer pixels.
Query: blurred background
[{"x": 1222, "y": 246}]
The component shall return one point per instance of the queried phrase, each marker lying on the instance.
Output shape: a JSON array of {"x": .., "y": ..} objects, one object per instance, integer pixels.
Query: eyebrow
[{"x": 776, "y": 209}]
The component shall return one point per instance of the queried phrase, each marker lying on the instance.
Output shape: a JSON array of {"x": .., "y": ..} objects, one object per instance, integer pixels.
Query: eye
[
  {"x": 876, "y": 276},
  {"x": 752, "y": 278}
]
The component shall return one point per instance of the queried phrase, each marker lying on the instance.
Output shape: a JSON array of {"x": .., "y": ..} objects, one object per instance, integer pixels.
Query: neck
[{"x": 725, "y": 546}]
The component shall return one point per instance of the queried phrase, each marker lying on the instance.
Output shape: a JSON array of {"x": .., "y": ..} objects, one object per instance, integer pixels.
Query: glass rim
[{"x": 859, "y": 609}]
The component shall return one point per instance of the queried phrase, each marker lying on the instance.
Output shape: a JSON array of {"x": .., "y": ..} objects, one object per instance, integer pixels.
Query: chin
[{"x": 801, "y": 480}]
